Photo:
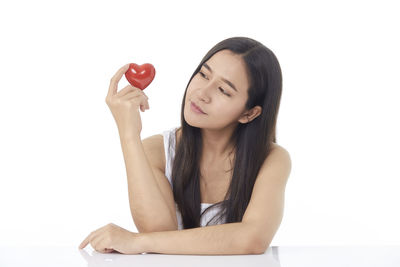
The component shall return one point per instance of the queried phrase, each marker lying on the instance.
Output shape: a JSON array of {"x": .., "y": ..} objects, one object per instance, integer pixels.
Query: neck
[{"x": 216, "y": 143}]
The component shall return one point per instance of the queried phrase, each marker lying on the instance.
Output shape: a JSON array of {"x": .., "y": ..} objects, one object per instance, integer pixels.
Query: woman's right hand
[{"x": 124, "y": 105}]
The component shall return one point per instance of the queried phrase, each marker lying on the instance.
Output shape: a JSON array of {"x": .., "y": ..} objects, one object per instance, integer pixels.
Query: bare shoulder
[
  {"x": 154, "y": 149},
  {"x": 280, "y": 150},
  {"x": 278, "y": 161}
]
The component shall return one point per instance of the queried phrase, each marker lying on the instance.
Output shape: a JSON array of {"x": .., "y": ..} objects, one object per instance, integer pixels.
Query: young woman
[{"x": 221, "y": 168}]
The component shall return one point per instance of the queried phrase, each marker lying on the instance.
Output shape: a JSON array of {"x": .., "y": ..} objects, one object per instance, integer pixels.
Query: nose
[{"x": 206, "y": 90}]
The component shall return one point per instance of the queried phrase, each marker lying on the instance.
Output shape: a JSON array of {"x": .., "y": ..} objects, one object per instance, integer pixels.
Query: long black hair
[{"x": 252, "y": 140}]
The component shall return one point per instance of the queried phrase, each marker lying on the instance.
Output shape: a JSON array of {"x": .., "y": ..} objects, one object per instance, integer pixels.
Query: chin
[{"x": 193, "y": 120}]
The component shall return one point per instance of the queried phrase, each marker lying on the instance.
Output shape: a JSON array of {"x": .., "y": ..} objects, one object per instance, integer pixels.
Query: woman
[{"x": 226, "y": 144}]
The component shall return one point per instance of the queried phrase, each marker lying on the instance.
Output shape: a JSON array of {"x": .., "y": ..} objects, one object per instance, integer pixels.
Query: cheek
[
  {"x": 193, "y": 84},
  {"x": 227, "y": 110}
]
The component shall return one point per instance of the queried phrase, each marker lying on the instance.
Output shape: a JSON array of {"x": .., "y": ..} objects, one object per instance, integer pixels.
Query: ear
[{"x": 250, "y": 115}]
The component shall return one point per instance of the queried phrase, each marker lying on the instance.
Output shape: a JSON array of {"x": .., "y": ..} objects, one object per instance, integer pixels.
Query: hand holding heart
[{"x": 124, "y": 105}]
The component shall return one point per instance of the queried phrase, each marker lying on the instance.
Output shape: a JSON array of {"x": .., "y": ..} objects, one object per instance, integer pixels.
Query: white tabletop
[{"x": 379, "y": 256}]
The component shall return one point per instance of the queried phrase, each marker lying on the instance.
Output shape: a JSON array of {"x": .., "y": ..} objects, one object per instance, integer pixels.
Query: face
[{"x": 212, "y": 90}]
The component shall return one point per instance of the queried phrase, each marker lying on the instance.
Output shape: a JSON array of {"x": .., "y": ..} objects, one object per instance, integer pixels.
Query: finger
[
  {"x": 128, "y": 90},
  {"x": 141, "y": 99},
  {"x": 112, "y": 90},
  {"x": 108, "y": 250},
  {"x": 101, "y": 244},
  {"x": 85, "y": 241},
  {"x": 131, "y": 95},
  {"x": 96, "y": 243},
  {"x": 90, "y": 237},
  {"x": 147, "y": 101}
]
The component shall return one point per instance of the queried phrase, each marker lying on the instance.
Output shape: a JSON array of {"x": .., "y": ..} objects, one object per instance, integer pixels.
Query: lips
[{"x": 197, "y": 107}]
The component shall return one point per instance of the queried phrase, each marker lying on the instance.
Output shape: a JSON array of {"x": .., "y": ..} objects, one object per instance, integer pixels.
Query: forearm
[
  {"x": 222, "y": 239},
  {"x": 148, "y": 207}
]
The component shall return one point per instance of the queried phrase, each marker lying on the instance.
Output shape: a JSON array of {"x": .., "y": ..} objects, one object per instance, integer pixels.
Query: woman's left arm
[{"x": 221, "y": 239}]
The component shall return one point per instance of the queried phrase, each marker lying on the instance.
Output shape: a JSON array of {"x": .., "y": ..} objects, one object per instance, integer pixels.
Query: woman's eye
[{"x": 222, "y": 90}]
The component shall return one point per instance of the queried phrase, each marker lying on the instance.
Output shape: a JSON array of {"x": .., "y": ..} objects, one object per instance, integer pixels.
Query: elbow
[
  {"x": 257, "y": 246},
  {"x": 261, "y": 249},
  {"x": 257, "y": 243}
]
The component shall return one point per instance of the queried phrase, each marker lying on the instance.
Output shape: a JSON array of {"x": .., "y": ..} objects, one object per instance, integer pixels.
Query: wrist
[
  {"x": 128, "y": 133},
  {"x": 145, "y": 242},
  {"x": 130, "y": 138}
]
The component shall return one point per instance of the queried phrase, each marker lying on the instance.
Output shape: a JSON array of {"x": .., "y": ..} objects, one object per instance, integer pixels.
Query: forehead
[{"x": 230, "y": 66}]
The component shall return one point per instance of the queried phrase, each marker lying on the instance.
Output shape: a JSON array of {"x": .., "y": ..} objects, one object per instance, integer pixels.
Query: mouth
[{"x": 196, "y": 108}]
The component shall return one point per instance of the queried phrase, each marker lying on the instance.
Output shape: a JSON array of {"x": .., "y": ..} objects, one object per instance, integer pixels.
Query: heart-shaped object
[{"x": 140, "y": 76}]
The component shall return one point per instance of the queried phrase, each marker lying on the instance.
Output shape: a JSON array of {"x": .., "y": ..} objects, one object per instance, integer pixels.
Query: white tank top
[{"x": 169, "y": 148}]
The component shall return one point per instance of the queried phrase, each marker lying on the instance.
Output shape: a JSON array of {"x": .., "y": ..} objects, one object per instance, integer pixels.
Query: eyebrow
[{"x": 223, "y": 79}]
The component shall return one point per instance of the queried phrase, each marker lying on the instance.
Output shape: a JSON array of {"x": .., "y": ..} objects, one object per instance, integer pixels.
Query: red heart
[{"x": 140, "y": 76}]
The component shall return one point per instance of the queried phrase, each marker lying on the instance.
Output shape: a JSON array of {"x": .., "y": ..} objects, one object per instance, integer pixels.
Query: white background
[{"x": 61, "y": 166}]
